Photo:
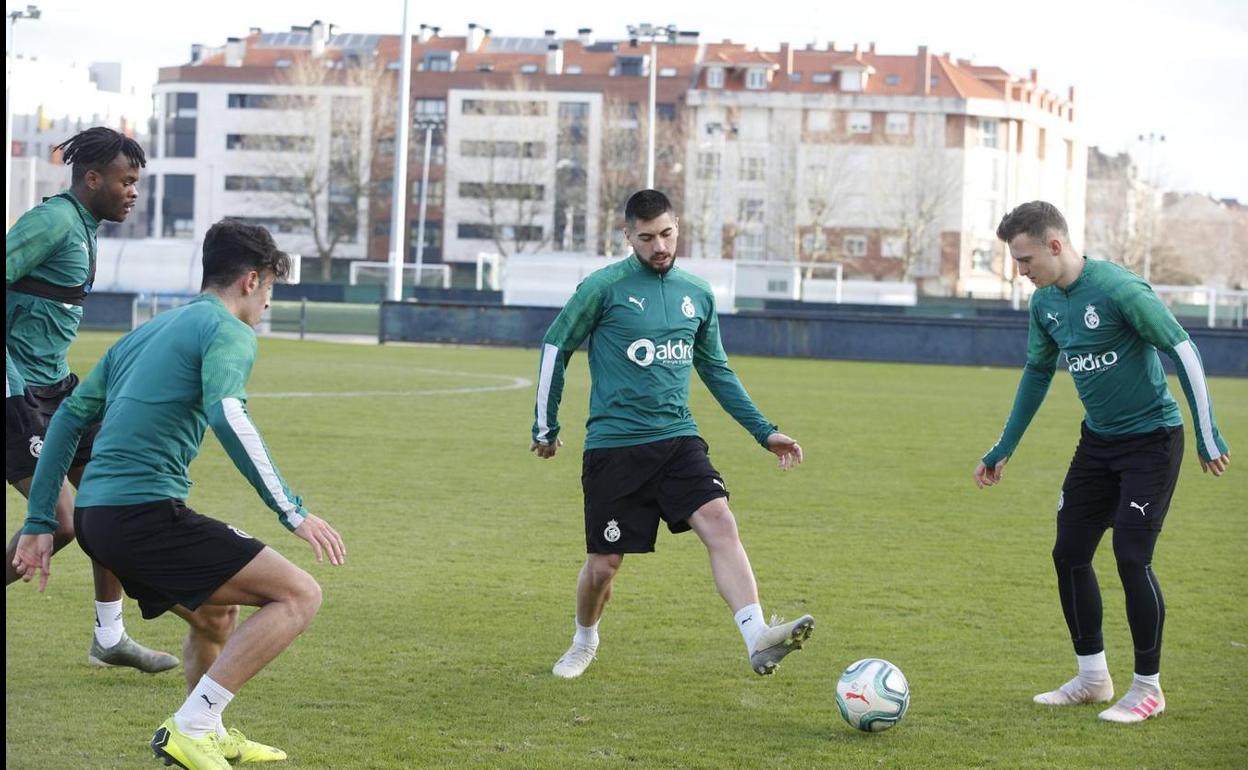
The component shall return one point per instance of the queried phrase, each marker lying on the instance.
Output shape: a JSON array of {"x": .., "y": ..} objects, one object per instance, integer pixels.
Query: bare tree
[
  {"x": 827, "y": 181},
  {"x": 915, "y": 186},
  {"x": 337, "y": 108}
]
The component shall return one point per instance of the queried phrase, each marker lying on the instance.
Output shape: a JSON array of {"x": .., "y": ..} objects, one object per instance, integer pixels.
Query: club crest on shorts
[
  {"x": 239, "y": 532},
  {"x": 686, "y": 307},
  {"x": 612, "y": 533},
  {"x": 36, "y": 446},
  {"x": 1090, "y": 318}
]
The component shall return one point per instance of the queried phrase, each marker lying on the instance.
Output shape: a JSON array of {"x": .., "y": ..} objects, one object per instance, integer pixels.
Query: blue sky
[{"x": 1161, "y": 66}]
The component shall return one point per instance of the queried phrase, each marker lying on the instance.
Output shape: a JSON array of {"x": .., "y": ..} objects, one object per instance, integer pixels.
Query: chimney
[
  {"x": 687, "y": 37},
  {"x": 925, "y": 71},
  {"x": 1070, "y": 95},
  {"x": 234, "y": 50},
  {"x": 425, "y": 34},
  {"x": 197, "y": 53},
  {"x": 871, "y": 48},
  {"x": 585, "y": 35},
  {"x": 831, "y": 46},
  {"x": 476, "y": 36},
  {"x": 1035, "y": 76},
  {"x": 550, "y": 36},
  {"x": 255, "y": 31},
  {"x": 855, "y": 49},
  {"x": 319, "y": 33},
  {"x": 554, "y": 59},
  {"x": 786, "y": 59}
]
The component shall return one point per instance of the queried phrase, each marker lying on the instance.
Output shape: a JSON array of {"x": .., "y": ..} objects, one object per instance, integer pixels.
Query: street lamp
[
  {"x": 398, "y": 195},
  {"x": 31, "y": 12},
  {"x": 429, "y": 124},
  {"x": 1151, "y": 139},
  {"x": 652, "y": 32}
]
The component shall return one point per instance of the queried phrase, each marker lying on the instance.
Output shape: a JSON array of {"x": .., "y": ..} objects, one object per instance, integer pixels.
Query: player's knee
[
  {"x": 602, "y": 567},
  {"x": 1131, "y": 560},
  {"x": 305, "y": 596},
  {"x": 717, "y": 522},
  {"x": 215, "y": 622}
]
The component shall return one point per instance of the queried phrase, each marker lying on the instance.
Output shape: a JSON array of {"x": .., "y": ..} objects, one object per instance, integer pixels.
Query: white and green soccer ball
[{"x": 872, "y": 694}]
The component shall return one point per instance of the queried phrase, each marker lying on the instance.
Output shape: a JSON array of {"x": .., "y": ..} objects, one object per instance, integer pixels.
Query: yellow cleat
[
  {"x": 236, "y": 747},
  {"x": 176, "y": 748}
]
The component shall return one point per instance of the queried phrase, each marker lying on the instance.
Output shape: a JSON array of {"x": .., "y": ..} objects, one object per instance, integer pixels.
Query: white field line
[{"x": 509, "y": 383}]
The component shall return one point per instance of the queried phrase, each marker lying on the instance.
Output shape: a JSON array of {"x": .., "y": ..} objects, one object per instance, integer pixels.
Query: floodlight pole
[
  {"x": 652, "y": 31},
  {"x": 1151, "y": 139},
  {"x": 31, "y": 12},
  {"x": 398, "y": 199},
  {"x": 429, "y": 126}
]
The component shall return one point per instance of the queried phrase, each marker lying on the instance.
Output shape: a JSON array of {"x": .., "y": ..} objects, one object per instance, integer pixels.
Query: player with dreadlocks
[{"x": 49, "y": 266}]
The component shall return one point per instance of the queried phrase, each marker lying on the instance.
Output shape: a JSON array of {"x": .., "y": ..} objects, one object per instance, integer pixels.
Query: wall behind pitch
[{"x": 858, "y": 336}]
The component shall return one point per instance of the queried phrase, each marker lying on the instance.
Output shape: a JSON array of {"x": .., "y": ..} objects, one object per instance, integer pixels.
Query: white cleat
[
  {"x": 1140, "y": 703},
  {"x": 778, "y": 641},
  {"x": 574, "y": 661},
  {"x": 1079, "y": 690}
]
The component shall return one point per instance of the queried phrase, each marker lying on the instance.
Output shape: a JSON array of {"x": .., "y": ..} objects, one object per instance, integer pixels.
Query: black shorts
[
  {"x": 1121, "y": 481},
  {"x": 628, "y": 489},
  {"x": 163, "y": 552},
  {"x": 22, "y": 444}
]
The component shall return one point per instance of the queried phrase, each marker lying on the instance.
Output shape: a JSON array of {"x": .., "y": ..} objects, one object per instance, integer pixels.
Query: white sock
[
  {"x": 108, "y": 625},
  {"x": 751, "y": 624},
  {"x": 586, "y": 636},
  {"x": 1093, "y": 667},
  {"x": 1153, "y": 680},
  {"x": 201, "y": 713}
]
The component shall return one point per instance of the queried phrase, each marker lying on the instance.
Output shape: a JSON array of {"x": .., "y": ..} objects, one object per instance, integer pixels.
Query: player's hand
[
  {"x": 1217, "y": 464},
  {"x": 324, "y": 539},
  {"x": 986, "y": 477},
  {"x": 34, "y": 554},
  {"x": 545, "y": 451},
  {"x": 785, "y": 448}
]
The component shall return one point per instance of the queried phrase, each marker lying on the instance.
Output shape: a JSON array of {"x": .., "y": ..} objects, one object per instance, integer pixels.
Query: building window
[
  {"x": 433, "y": 240},
  {"x": 502, "y": 191},
  {"x": 893, "y": 246},
  {"x": 269, "y": 142},
  {"x": 897, "y": 123},
  {"x": 502, "y": 107},
  {"x": 753, "y": 168},
  {"x": 981, "y": 256},
  {"x": 756, "y": 79},
  {"x": 893, "y": 80},
  {"x": 181, "y": 124},
  {"x": 715, "y": 77},
  {"x": 287, "y": 225},
  {"x": 853, "y": 80},
  {"x": 987, "y": 132},
  {"x": 708, "y": 165},
  {"x": 178, "y": 206},
  {"x": 665, "y": 111},
  {"x": 273, "y": 184},
  {"x": 859, "y": 122},
  {"x": 821, "y": 77},
  {"x": 667, "y": 72},
  {"x": 572, "y": 69},
  {"x": 528, "y": 69},
  {"x": 429, "y": 108},
  {"x": 269, "y": 102},
  {"x": 437, "y": 63},
  {"x": 818, "y": 120},
  {"x": 751, "y": 244},
  {"x": 437, "y": 192},
  {"x": 479, "y": 148},
  {"x": 795, "y": 77},
  {"x": 750, "y": 211},
  {"x": 630, "y": 66},
  {"x": 855, "y": 246},
  {"x": 484, "y": 232}
]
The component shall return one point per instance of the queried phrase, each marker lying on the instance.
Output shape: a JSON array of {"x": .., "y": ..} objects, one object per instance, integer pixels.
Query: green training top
[
  {"x": 646, "y": 332},
  {"x": 53, "y": 242},
  {"x": 1109, "y": 325},
  {"x": 157, "y": 389}
]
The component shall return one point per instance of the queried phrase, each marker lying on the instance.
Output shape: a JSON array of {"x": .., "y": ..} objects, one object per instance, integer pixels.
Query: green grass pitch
[{"x": 435, "y": 641}]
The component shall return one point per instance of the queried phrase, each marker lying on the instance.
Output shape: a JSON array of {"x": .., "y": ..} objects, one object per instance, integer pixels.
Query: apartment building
[{"x": 896, "y": 166}]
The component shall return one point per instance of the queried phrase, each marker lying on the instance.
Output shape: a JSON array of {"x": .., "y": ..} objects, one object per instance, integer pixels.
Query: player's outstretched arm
[
  {"x": 34, "y": 556},
  {"x": 785, "y": 448},
  {"x": 986, "y": 476},
  {"x": 324, "y": 539}
]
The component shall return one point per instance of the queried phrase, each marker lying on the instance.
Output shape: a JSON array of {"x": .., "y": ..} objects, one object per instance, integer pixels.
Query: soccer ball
[{"x": 872, "y": 694}]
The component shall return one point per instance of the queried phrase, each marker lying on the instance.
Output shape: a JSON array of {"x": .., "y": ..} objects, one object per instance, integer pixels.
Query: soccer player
[
  {"x": 157, "y": 389},
  {"x": 49, "y": 267},
  {"x": 1110, "y": 325},
  {"x": 649, "y": 324}
]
